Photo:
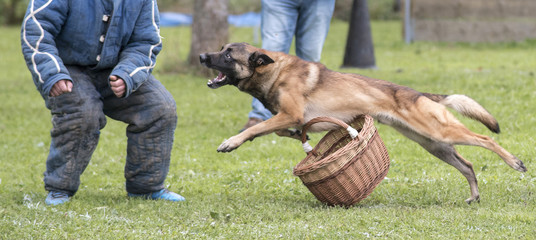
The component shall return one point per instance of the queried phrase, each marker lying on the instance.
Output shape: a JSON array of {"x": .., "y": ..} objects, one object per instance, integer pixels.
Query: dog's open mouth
[{"x": 218, "y": 81}]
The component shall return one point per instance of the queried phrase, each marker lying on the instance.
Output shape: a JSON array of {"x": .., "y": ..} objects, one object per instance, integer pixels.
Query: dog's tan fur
[{"x": 296, "y": 91}]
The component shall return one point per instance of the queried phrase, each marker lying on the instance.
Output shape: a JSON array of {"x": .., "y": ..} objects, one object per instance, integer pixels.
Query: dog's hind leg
[
  {"x": 440, "y": 125},
  {"x": 464, "y": 136},
  {"x": 446, "y": 153}
]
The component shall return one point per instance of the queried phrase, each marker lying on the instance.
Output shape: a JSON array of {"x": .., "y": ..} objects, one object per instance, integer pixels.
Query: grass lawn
[{"x": 251, "y": 192}]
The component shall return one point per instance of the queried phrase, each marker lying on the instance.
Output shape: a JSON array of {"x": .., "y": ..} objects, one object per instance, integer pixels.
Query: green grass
[{"x": 251, "y": 192}]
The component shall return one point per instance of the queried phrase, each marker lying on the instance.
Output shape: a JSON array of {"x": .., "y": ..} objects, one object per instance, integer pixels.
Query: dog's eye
[{"x": 228, "y": 56}]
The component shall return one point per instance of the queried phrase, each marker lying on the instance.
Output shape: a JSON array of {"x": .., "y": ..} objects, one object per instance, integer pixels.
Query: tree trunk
[
  {"x": 359, "y": 51},
  {"x": 11, "y": 15},
  {"x": 210, "y": 30}
]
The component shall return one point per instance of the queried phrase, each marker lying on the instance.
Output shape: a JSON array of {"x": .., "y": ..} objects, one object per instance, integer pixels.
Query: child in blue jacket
[{"x": 90, "y": 59}]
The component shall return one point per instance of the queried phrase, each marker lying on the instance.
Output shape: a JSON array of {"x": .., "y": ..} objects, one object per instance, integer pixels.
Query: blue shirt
[{"x": 102, "y": 34}]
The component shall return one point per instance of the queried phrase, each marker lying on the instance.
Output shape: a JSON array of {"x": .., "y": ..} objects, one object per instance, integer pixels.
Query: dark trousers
[{"x": 78, "y": 117}]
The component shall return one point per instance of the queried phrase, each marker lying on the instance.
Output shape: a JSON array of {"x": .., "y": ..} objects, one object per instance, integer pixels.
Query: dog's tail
[{"x": 467, "y": 107}]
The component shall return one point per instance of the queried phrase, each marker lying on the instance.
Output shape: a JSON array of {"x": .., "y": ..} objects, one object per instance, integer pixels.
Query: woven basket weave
[{"x": 341, "y": 170}]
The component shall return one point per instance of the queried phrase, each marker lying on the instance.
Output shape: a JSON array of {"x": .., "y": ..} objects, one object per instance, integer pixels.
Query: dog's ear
[{"x": 258, "y": 59}]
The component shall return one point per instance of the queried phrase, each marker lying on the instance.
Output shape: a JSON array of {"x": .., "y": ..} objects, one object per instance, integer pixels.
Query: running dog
[{"x": 296, "y": 91}]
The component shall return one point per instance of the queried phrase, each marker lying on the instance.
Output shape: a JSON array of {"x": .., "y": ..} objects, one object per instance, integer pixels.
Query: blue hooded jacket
[{"x": 102, "y": 34}]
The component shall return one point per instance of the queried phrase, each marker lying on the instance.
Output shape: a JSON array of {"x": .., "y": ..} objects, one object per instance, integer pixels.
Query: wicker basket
[{"x": 344, "y": 168}]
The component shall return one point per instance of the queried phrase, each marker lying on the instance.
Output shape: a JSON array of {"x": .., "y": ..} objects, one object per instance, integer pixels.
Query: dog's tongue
[{"x": 217, "y": 81}]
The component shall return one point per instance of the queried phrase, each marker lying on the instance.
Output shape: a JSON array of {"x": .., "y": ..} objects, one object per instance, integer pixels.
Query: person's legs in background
[
  {"x": 278, "y": 25},
  {"x": 312, "y": 28},
  {"x": 309, "y": 21}
]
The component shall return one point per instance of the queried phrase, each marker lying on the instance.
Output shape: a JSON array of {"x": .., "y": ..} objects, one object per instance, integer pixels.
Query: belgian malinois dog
[{"x": 296, "y": 91}]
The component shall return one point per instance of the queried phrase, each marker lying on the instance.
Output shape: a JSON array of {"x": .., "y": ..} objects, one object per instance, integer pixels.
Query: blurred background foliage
[{"x": 12, "y": 11}]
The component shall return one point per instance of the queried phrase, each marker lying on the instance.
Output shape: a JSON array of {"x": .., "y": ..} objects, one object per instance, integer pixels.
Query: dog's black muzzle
[{"x": 204, "y": 59}]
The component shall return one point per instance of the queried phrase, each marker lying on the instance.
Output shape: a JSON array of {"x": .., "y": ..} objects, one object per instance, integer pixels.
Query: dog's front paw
[
  {"x": 298, "y": 134},
  {"x": 229, "y": 145},
  {"x": 291, "y": 133}
]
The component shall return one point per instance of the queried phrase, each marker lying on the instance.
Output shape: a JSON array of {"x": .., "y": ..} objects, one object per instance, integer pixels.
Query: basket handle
[{"x": 307, "y": 147}]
